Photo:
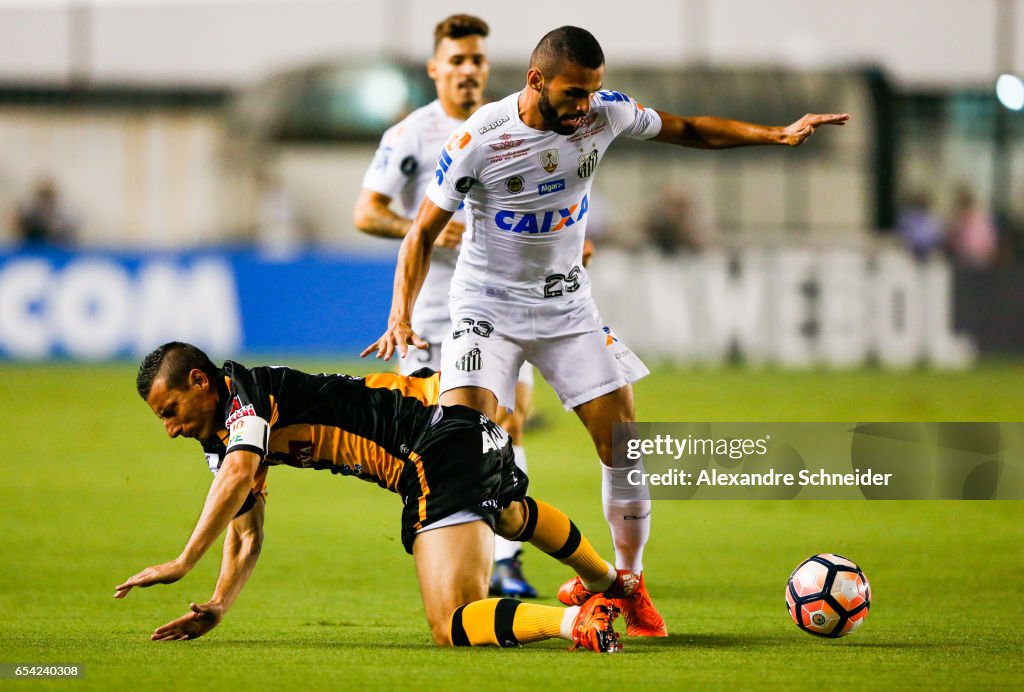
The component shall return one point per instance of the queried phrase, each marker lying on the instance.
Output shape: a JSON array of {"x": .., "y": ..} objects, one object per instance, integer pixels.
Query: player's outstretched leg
[
  {"x": 627, "y": 509},
  {"x": 452, "y": 567},
  {"x": 549, "y": 529},
  {"x": 507, "y": 622}
]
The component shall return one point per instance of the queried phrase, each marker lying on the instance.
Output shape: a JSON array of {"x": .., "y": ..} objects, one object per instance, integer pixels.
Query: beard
[{"x": 552, "y": 120}]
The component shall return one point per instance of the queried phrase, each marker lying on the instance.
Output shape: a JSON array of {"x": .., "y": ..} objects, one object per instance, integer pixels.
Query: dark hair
[
  {"x": 174, "y": 361},
  {"x": 566, "y": 44},
  {"x": 459, "y": 26}
]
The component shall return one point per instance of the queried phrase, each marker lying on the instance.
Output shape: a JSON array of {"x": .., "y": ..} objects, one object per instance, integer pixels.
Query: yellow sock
[
  {"x": 504, "y": 622},
  {"x": 551, "y": 531}
]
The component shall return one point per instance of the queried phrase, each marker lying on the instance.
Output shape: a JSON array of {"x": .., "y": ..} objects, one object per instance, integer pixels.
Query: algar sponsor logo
[{"x": 550, "y": 221}]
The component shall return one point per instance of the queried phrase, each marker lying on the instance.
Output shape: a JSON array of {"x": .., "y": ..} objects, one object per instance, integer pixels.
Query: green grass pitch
[{"x": 92, "y": 491}]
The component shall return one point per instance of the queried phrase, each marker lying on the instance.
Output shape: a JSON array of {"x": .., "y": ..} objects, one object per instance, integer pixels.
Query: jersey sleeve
[
  {"x": 455, "y": 172},
  {"x": 627, "y": 117},
  {"x": 214, "y": 452},
  {"x": 395, "y": 164},
  {"x": 250, "y": 410}
]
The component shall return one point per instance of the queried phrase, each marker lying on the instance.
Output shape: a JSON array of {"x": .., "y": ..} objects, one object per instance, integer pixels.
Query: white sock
[
  {"x": 627, "y": 508},
  {"x": 567, "y": 619},
  {"x": 505, "y": 549},
  {"x": 604, "y": 583}
]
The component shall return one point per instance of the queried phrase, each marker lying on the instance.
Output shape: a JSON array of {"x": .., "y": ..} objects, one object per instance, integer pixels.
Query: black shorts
[{"x": 463, "y": 462}]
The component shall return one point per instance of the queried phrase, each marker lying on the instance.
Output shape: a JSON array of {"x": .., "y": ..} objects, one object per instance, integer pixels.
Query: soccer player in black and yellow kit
[{"x": 451, "y": 465}]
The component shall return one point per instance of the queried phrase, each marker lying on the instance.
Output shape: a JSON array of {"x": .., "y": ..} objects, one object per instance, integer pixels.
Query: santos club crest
[{"x": 588, "y": 162}]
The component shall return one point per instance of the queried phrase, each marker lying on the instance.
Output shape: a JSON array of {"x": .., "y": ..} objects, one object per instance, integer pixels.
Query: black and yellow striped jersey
[{"x": 368, "y": 427}]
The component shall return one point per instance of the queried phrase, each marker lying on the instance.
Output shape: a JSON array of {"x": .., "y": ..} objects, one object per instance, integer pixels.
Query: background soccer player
[
  {"x": 452, "y": 467},
  {"x": 524, "y": 167},
  {"x": 401, "y": 169}
]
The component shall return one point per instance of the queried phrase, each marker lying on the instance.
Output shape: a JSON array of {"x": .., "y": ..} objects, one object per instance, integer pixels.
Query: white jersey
[
  {"x": 526, "y": 193},
  {"x": 401, "y": 169}
]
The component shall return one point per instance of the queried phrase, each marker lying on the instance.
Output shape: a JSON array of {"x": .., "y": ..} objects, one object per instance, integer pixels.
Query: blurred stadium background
[{"x": 209, "y": 154}]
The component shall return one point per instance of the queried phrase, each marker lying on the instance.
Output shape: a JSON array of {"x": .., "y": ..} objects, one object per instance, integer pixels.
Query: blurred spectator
[
  {"x": 972, "y": 233},
  {"x": 919, "y": 227},
  {"x": 672, "y": 226},
  {"x": 44, "y": 220}
]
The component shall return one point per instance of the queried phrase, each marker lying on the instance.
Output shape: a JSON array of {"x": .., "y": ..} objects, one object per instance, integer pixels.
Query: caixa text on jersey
[{"x": 542, "y": 222}]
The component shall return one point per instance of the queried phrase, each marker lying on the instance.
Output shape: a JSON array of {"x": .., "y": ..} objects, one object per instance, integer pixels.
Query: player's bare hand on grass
[
  {"x": 798, "y": 132},
  {"x": 451, "y": 235},
  {"x": 192, "y": 625},
  {"x": 167, "y": 573},
  {"x": 397, "y": 337}
]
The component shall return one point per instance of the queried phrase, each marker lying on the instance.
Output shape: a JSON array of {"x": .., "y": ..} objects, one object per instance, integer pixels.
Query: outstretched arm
[
  {"x": 413, "y": 263},
  {"x": 227, "y": 494},
  {"x": 242, "y": 546},
  {"x": 709, "y": 132}
]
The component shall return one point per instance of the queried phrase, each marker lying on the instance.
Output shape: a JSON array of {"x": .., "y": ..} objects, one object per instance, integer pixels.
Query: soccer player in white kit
[
  {"x": 401, "y": 169},
  {"x": 524, "y": 167}
]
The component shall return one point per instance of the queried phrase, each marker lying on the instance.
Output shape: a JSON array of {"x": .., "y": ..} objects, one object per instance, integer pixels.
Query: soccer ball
[{"x": 828, "y": 596}]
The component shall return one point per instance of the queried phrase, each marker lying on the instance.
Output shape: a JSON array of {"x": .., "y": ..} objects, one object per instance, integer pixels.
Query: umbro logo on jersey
[
  {"x": 544, "y": 222},
  {"x": 588, "y": 162},
  {"x": 470, "y": 361},
  {"x": 549, "y": 160}
]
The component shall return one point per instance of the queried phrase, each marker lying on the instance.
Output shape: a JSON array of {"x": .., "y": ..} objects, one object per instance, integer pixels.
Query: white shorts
[
  {"x": 577, "y": 354},
  {"x": 434, "y": 333}
]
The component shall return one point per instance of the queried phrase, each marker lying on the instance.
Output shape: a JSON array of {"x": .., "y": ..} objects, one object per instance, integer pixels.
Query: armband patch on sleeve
[{"x": 248, "y": 433}]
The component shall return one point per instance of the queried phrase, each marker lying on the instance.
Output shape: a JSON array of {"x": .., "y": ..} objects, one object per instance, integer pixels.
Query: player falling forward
[
  {"x": 401, "y": 169},
  {"x": 524, "y": 167},
  {"x": 452, "y": 466}
]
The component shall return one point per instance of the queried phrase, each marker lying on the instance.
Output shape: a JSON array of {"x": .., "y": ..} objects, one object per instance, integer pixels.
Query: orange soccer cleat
[
  {"x": 592, "y": 628},
  {"x": 630, "y": 594}
]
